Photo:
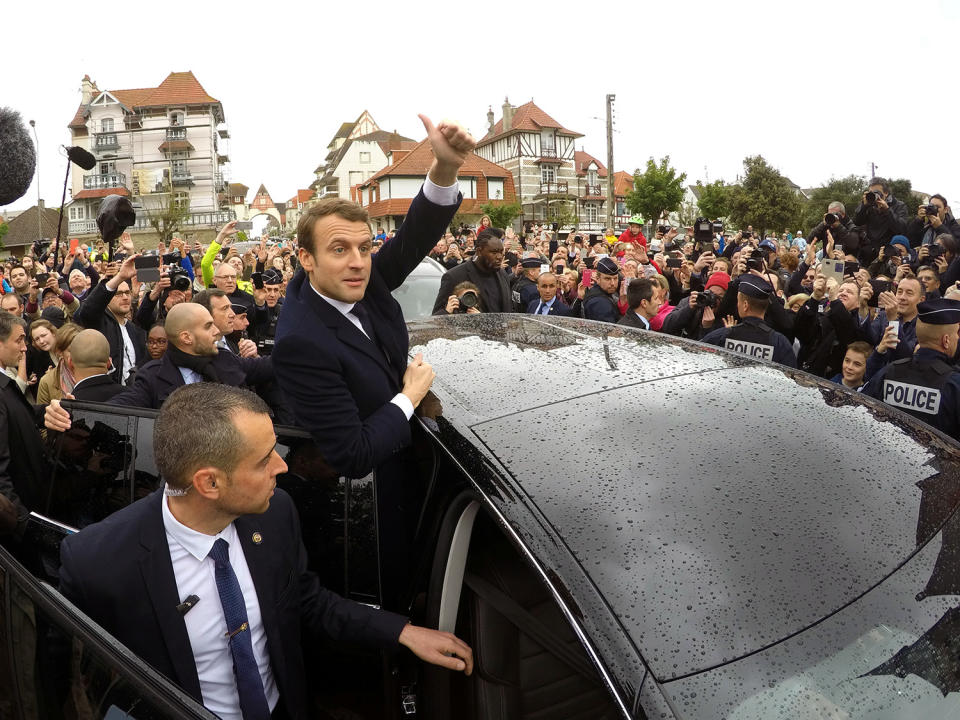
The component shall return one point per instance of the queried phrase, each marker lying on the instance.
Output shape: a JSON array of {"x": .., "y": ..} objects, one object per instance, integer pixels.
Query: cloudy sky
[{"x": 819, "y": 88}]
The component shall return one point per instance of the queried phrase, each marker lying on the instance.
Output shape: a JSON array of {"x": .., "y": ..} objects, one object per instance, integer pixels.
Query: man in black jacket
[
  {"x": 643, "y": 297},
  {"x": 882, "y": 215},
  {"x": 924, "y": 228},
  {"x": 484, "y": 271},
  {"x": 839, "y": 226},
  {"x": 23, "y": 463},
  {"x": 89, "y": 363},
  {"x": 107, "y": 309}
]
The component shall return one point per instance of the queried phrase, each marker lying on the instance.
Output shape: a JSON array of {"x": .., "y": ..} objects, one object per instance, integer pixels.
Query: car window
[
  {"x": 417, "y": 295},
  {"x": 63, "y": 666}
]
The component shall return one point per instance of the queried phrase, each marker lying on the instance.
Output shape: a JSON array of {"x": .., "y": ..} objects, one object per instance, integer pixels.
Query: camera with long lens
[
  {"x": 707, "y": 299},
  {"x": 931, "y": 210},
  {"x": 468, "y": 300},
  {"x": 179, "y": 279},
  {"x": 830, "y": 219},
  {"x": 703, "y": 232},
  {"x": 872, "y": 196}
]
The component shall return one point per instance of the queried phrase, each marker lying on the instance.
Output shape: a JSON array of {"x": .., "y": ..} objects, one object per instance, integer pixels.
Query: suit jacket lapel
[
  {"x": 261, "y": 561},
  {"x": 161, "y": 583}
]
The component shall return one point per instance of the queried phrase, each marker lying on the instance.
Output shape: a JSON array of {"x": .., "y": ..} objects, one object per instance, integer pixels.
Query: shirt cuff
[
  {"x": 440, "y": 195},
  {"x": 403, "y": 402}
]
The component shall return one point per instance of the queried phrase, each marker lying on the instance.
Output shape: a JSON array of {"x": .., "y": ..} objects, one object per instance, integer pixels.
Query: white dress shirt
[
  {"x": 646, "y": 323},
  {"x": 189, "y": 376},
  {"x": 129, "y": 354},
  {"x": 438, "y": 195},
  {"x": 206, "y": 626},
  {"x": 545, "y": 306}
]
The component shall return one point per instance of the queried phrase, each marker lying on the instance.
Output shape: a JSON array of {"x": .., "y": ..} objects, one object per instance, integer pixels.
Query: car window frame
[{"x": 151, "y": 685}]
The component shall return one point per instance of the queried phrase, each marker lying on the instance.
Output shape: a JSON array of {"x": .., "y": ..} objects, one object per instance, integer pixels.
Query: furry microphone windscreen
[{"x": 18, "y": 157}]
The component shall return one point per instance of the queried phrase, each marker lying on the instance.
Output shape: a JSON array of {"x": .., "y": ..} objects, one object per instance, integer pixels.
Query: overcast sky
[{"x": 819, "y": 88}]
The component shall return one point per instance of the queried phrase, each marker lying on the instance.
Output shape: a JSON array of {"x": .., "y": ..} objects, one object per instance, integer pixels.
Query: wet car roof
[{"x": 719, "y": 504}]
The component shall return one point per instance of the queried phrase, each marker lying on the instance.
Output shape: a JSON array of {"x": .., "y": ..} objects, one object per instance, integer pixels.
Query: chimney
[
  {"x": 40, "y": 204},
  {"x": 507, "y": 115},
  {"x": 490, "y": 119},
  {"x": 86, "y": 90}
]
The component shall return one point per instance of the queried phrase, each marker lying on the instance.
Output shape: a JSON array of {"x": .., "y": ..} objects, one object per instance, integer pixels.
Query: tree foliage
[
  {"x": 765, "y": 199},
  {"x": 848, "y": 190},
  {"x": 165, "y": 215},
  {"x": 4, "y": 229},
  {"x": 902, "y": 189},
  {"x": 714, "y": 199},
  {"x": 501, "y": 216},
  {"x": 656, "y": 190}
]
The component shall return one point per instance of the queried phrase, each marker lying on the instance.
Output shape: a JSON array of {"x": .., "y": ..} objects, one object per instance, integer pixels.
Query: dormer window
[{"x": 176, "y": 119}]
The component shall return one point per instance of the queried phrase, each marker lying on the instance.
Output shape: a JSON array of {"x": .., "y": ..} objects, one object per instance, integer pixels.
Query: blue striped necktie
[{"x": 253, "y": 701}]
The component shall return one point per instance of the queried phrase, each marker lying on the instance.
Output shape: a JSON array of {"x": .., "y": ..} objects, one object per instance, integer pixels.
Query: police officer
[
  {"x": 752, "y": 336},
  {"x": 525, "y": 289},
  {"x": 268, "y": 298},
  {"x": 926, "y": 385},
  {"x": 601, "y": 301}
]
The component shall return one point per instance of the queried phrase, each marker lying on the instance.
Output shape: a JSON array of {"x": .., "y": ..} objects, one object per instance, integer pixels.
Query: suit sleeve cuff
[
  {"x": 440, "y": 195},
  {"x": 403, "y": 402}
]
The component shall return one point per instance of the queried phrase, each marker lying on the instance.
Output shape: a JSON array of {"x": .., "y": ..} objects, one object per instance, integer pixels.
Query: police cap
[
  {"x": 272, "y": 276},
  {"x": 608, "y": 267},
  {"x": 531, "y": 262},
  {"x": 238, "y": 309},
  {"x": 755, "y": 287},
  {"x": 939, "y": 312}
]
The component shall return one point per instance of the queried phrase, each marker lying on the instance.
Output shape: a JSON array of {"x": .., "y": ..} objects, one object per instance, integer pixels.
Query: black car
[{"x": 621, "y": 524}]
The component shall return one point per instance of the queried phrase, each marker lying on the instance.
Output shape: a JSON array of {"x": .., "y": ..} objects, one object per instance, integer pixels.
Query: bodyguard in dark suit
[
  {"x": 207, "y": 579},
  {"x": 485, "y": 271},
  {"x": 23, "y": 463},
  {"x": 549, "y": 303},
  {"x": 108, "y": 301},
  {"x": 89, "y": 364},
  {"x": 643, "y": 299}
]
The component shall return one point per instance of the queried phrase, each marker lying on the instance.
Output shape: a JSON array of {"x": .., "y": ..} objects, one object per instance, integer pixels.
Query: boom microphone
[
  {"x": 81, "y": 157},
  {"x": 18, "y": 157}
]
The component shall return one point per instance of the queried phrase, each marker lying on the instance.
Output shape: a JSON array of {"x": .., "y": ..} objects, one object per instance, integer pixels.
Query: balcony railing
[
  {"x": 102, "y": 182},
  {"x": 593, "y": 190},
  {"x": 82, "y": 227},
  {"x": 182, "y": 177},
  {"x": 176, "y": 133},
  {"x": 210, "y": 218},
  {"x": 554, "y": 188},
  {"x": 106, "y": 141},
  {"x": 548, "y": 151}
]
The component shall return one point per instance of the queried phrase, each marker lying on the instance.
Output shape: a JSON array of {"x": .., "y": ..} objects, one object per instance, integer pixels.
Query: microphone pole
[{"x": 63, "y": 200}]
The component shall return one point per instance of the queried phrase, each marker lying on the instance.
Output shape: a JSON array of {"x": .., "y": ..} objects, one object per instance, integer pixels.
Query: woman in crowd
[
  {"x": 58, "y": 380},
  {"x": 41, "y": 353}
]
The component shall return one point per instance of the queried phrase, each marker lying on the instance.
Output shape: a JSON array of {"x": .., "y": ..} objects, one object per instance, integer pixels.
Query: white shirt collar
[
  {"x": 196, "y": 543},
  {"x": 343, "y": 307}
]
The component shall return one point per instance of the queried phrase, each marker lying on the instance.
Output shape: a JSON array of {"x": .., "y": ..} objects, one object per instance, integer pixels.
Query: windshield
[{"x": 417, "y": 295}]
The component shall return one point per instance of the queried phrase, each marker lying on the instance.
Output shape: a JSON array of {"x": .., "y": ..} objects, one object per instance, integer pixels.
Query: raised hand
[{"x": 451, "y": 144}]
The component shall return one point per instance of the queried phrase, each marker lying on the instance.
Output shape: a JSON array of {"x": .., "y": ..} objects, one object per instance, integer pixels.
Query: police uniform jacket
[
  {"x": 524, "y": 292},
  {"x": 925, "y": 385},
  {"x": 598, "y": 305},
  {"x": 754, "y": 338}
]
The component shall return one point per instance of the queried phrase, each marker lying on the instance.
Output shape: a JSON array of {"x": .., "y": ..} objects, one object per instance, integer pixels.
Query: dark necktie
[
  {"x": 361, "y": 312},
  {"x": 253, "y": 701}
]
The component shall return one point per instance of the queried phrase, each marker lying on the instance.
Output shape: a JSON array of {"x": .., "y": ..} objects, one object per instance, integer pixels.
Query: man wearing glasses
[{"x": 107, "y": 309}]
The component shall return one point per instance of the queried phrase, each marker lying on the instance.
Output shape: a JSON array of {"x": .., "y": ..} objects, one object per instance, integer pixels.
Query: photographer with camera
[
  {"x": 695, "y": 315},
  {"x": 465, "y": 300},
  {"x": 932, "y": 219},
  {"x": 107, "y": 309},
  {"x": 882, "y": 215},
  {"x": 173, "y": 288},
  {"x": 752, "y": 336},
  {"x": 485, "y": 271},
  {"x": 836, "y": 221}
]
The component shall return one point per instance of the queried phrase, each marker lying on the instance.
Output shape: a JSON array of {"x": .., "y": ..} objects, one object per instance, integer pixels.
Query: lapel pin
[{"x": 257, "y": 538}]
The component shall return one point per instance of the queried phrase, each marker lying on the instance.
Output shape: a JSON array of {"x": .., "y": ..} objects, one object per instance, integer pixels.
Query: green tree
[
  {"x": 902, "y": 189},
  {"x": 561, "y": 211},
  {"x": 165, "y": 215},
  {"x": 4, "y": 229},
  {"x": 714, "y": 199},
  {"x": 501, "y": 216},
  {"x": 656, "y": 190},
  {"x": 848, "y": 190},
  {"x": 765, "y": 199}
]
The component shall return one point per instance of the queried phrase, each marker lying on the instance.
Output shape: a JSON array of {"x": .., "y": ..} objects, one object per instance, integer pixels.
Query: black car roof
[{"x": 719, "y": 504}]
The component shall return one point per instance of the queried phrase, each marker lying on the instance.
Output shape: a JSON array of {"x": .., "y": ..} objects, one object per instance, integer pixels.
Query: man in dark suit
[
  {"x": 549, "y": 303},
  {"x": 207, "y": 580},
  {"x": 89, "y": 363},
  {"x": 23, "y": 463},
  {"x": 485, "y": 271},
  {"x": 192, "y": 356},
  {"x": 107, "y": 309},
  {"x": 643, "y": 299}
]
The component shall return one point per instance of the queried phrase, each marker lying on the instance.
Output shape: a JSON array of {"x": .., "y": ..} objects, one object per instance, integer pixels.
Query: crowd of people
[{"x": 309, "y": 325}]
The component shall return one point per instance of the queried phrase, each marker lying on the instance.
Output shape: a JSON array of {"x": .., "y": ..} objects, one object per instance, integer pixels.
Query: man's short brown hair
[{"x": 346, "y": 209}]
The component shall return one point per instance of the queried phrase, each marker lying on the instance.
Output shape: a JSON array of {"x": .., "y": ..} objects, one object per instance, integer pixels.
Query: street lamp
[{"x": 33, "y": 124}]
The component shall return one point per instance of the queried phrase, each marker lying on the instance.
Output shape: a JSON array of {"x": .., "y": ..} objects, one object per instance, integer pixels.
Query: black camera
[
  {"x": 703, "y": 232},
  {"x": 663, "y": 229},
  {"x": 468, "y": 300},
  {"x": 755, "y": 262},
  {"x": 179, "y": 279},
  {"x": 934, "y": 250},
  {"x": 872, "y": 196},
  {"x": 931, "y": 210},
  {"x": 830, "y": 219},
  {"x": 707, "y": 299},
  {"x": 746, "y": 234}
]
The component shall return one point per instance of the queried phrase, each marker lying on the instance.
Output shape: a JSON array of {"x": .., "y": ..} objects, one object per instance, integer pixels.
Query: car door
[{"x": 56, "y": 663}]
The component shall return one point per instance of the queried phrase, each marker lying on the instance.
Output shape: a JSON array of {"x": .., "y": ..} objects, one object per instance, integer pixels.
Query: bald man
[
  {"x": 192, "y": 356},
  {"x": 89, "y": 361}
]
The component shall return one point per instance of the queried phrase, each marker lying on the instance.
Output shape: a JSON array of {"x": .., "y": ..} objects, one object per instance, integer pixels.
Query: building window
[
  {"x": 548, "y": 143},
  {"x": 181, "y": 200},
  {"x": 365, "y": 158},
  {"x": 621, "y": 207},
  {"x": 106, "y": 125},
  {"x": 548, "y": 173},
  {"x": 237, "y": 200},
  {"x": 176, "y": 119},
  {"x": 108, "y": 168},
  {"x": 592, "y": 177},
  {"x": 590, "y": 212}
]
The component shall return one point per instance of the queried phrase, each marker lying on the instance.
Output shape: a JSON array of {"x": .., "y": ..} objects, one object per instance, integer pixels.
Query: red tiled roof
[
  {"x": 418, "y": 160},
  {"x": 530, "y": 118},
  {"x": 79, "y": 120},
  {"x": 622, "y": 183},
  {"x": 582, "y": 159},
  {"x": 175, "y": 145},
  {"x": 103, "y": 192},
  {"x": 132, "y": 98},
  {"x": 396, "y": 206},
  {"x": 301, "y": 197}
]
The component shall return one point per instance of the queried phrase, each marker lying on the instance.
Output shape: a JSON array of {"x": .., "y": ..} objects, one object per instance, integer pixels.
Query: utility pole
[
  {"x": 611, "y": 198},
  {"x": 33, "y": 125},
  {"x": 873, "y": 170}
]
